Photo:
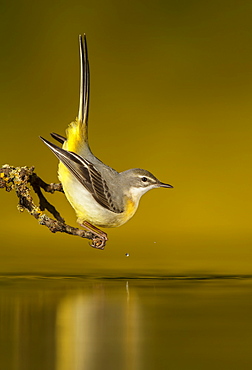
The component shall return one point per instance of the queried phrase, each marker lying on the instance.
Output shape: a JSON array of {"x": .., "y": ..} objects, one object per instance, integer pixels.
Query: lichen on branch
[{"x": 22, "y": 180}]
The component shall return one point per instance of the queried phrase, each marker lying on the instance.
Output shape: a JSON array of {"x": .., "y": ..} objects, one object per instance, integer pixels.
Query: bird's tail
[{"x": 77, "y": 131}]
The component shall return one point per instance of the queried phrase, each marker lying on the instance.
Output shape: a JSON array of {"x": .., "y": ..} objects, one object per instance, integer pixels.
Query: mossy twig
[{"x": 22, "y": 180}]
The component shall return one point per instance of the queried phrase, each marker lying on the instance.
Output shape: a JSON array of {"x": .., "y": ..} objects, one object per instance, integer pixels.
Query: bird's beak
[{"x": 163, "y": 185}]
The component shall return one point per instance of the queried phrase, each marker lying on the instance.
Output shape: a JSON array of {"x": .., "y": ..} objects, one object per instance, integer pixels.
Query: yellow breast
[{"x": 130, "y": 209}]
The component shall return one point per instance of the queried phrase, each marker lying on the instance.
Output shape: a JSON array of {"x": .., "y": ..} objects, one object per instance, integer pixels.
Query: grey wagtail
[{"x": 99, "y": 195}]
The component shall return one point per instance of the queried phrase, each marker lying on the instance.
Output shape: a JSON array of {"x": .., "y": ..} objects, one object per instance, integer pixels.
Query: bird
[{"x": 100, "y": 196}]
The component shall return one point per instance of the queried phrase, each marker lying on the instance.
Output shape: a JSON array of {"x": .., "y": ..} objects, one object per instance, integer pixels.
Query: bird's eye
[{"x": 144, "y": 179}]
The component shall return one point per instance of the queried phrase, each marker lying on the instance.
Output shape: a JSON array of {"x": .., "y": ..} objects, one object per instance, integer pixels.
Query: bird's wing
[
  {"x": 87, "y": 174},
  {"x": 59, "y": 138}
]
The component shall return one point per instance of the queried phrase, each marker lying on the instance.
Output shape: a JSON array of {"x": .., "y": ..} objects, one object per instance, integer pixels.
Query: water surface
[{"x": 76, "y": 322}]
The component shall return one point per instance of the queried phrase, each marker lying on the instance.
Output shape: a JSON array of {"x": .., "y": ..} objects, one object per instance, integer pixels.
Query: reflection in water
[
  {"x": 88, "y": 326},
  {"x": 77, "y": 324}
]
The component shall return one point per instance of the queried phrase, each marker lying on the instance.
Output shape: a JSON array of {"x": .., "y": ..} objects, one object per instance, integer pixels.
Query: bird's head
[{"x": 137, "y": 182}]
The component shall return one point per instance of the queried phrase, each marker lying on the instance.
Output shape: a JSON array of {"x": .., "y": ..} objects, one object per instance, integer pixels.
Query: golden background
[{"x": 170, "y": 92}]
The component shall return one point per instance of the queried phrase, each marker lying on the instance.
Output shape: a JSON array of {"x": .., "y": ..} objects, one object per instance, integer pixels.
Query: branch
[{"x": 22, "y": 180}]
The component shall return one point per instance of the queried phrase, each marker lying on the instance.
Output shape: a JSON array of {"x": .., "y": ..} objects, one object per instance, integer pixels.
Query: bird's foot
[{"x": 100, "y": 237}]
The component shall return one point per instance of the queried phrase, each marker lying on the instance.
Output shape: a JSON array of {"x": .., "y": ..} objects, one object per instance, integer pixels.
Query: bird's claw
[
  {"x": 99, "y": 242},
  {"x": 99, "y": 237}
]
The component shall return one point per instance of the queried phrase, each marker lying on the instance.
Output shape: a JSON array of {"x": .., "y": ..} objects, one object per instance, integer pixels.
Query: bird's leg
[{"x": 100, "y": 239}]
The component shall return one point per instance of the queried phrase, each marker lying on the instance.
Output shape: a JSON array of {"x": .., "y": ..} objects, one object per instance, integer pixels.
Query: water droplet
[
  {"x": 154, "y": 242},
  {"x": 127, "y": 254}
]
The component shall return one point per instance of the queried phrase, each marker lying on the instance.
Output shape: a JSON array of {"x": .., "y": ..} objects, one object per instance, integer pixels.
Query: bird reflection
[{"x": 98, "y": 327}]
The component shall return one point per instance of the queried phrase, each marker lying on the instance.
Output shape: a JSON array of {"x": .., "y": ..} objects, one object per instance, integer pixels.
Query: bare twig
[{"x": 22, "y": 179}]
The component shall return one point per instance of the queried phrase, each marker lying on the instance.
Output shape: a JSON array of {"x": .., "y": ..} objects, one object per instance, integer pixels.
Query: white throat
[{"x": 136, "y": 193}]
